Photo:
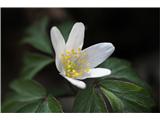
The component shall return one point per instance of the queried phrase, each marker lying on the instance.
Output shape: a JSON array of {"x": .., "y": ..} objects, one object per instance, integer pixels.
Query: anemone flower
[{"x": 75, "y": 64}]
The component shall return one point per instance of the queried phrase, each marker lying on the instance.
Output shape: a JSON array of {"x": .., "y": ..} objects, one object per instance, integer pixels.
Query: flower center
[{"x": 75, "y": 63}]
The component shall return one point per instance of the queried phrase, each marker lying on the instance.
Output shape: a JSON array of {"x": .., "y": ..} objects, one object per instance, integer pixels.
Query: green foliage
[
  {"x": 89, "y": 100},
  {"x": 122, "y": 69},
  {"x": 116, "y": 103},
  {"x": 123, "y": 89},
  {"x": 36, "y": 36},
  {"x": 50, "y": 105},
  {"x": 28, "y": 90},
  {"x": 30, "y": 96},
  {"x": 125, "y": 92},
  {"x": 33, "y": 63}
]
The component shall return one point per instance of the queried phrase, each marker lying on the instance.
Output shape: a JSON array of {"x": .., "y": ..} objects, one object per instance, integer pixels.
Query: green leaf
[
  {"x": 122, "y": 69},
  {"x": 30, "y": 107},
  {"x": 44, "y": 108},
  {"x": 54, "y": 105},
  {"x": 46, "y": 105},
  {"x": 116, "y": 103},
  {"x": 124, "y": 87},
  {"x": 121, "y": 86},
  {"x": 33, "y": 63},
  {"x": 30, "y": 96},
  {"x": 28, "y": 90},
  {"x": 12, "y": 107},
  {"x": 36, "y": 36},
  {"x": 131, "y": 97},
  {"x": 89, "y": 100},
  {"x": 50, "y": 105},
  {"x": 13, "y": 103},
  {"x": 65, "y": 29}
]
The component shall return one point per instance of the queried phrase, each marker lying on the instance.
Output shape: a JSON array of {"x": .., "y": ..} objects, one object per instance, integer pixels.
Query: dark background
[{"x": 133, "y": 31}]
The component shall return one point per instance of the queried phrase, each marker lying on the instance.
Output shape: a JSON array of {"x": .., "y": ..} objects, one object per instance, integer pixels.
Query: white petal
[
  {"x": 96, "y": 72},
  {"x": 98, "y": 53},
  {"x": 76, "y": 37},
  {"x": 77, "y": 83},
  {"x": 58, "y": 45}
]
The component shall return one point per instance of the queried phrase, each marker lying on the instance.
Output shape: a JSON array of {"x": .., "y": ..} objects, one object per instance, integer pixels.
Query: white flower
[{"x": 76, "y": 64}]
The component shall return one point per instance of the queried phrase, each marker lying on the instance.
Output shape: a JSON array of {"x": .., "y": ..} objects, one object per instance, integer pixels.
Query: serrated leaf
[
  {"x": 54, "y": 105},
  {"x": 33, "y": 63},
  {"x": 122, "y": 69},
  {"x": 12, "y": 106},
  {"x": 47, "y": 105},
  {"x": 130, "y": 94},
  {"x": 121, "y": 86},
  {"x": 116, "y": 103},
  {"x": 28, "y": 90},
  {"x": 133, "y": 107},
  {"x": 14, "y": 102},
  {"x": 30, "y": 96},
  {"x": 30, "y": 107},
  {"x": 89, "y": 101},
  {"x": 44, "y": 108},
  {"x": 36, "y": 36},
  {"x": 50, "y": 105}
]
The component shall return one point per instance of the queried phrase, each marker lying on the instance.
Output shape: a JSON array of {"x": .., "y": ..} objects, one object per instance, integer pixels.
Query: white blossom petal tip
[
  {"x": 99, "y": 72},
  {"x": 58, "y": 45},
  {"x": 76, "y": 36},
  {"x": 77, "y": 83},
  {"x": 96, "y": 73},
  {"x": 98, "y": 53}
]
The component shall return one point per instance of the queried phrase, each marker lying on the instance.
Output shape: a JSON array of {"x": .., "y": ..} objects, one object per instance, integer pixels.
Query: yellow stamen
[{"x": 75, "y": 63}]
